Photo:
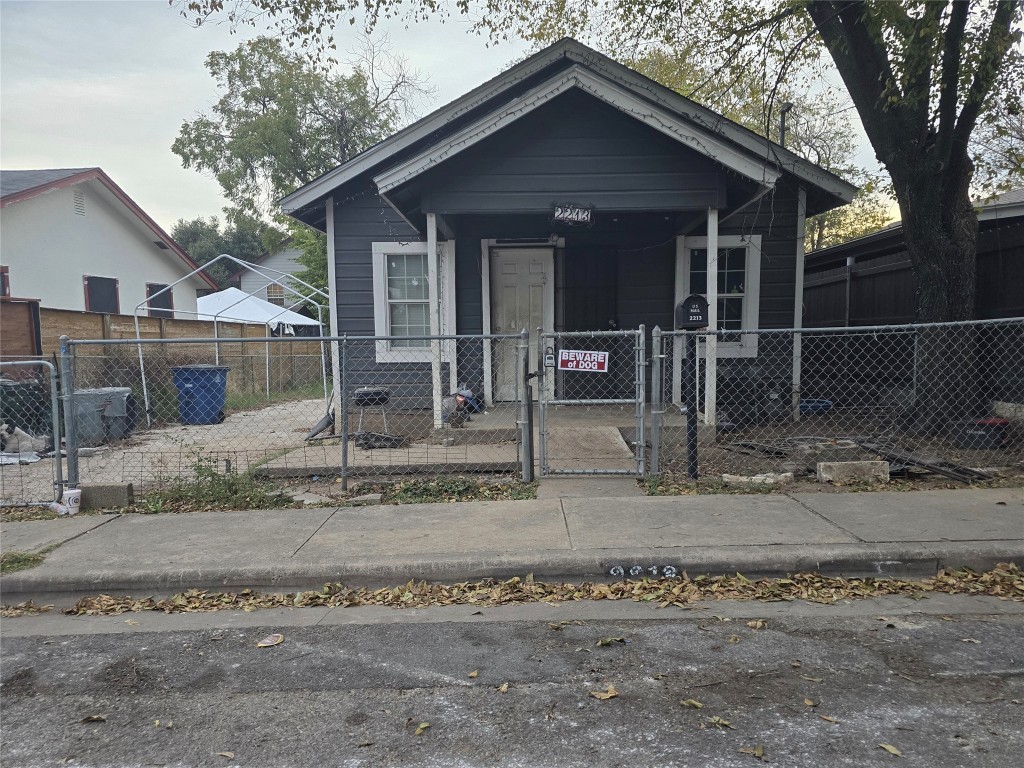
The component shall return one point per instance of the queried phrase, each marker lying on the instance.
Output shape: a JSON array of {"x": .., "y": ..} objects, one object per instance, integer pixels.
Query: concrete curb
[{"x": 900, "y": 560}]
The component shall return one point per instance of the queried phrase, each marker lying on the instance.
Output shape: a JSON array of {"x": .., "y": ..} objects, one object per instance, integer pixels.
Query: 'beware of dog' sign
[{"x": 578, "y": 360}]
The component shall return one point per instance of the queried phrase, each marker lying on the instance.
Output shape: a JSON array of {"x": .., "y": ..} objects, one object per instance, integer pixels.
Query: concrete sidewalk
[{"x": 569, "y": 538}]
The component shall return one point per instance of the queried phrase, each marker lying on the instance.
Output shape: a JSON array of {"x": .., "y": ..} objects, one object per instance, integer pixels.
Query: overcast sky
[{"x": 108, "y": 84}]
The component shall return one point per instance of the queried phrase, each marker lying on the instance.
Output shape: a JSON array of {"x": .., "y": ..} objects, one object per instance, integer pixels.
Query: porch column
[
  {"x": 798, "y": 301},
  {"x": 711, "y": 347},
  {"x": 332, "y": 302},
  {"x": 433, "y": 292}
]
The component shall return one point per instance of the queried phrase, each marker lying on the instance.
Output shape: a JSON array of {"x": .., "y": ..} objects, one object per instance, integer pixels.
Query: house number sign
[
  {"x": 582, "y": 360},
  {"x": 574, "y": 214}
]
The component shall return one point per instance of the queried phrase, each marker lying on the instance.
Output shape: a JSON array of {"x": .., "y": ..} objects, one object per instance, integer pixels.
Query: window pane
[
  {"x": 735, "y": 259},
  {"x": 409, "y": 320},
  {"x": 698, "y": 260},
  {"x": 407, "y": 276}
]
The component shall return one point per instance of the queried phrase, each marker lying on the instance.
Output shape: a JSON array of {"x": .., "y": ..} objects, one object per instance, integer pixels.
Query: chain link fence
[
  {"x": 153, "y": 411},
  {"x": 941, "y": 396},
  {"x": 31, "y": 470},
  {"x": 591, "y": 415}
]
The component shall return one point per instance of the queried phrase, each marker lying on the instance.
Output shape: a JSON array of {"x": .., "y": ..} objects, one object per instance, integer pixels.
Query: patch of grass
[
  {"x": 248, "y": 401},
  {"x": 679, "y": 485},
  {"x": 21, "y": 561},
  {"x": 449, "y": 489},
  {"x": 208, "y": 490}
]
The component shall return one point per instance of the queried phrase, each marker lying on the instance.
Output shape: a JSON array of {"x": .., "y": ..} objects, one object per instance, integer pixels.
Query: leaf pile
[
  {"x": 1005, "y": 581},
  {"x": 28, "y": 608}
]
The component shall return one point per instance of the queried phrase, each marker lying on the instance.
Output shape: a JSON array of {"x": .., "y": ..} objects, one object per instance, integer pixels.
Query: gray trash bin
[{"x": 104, "y": 414}]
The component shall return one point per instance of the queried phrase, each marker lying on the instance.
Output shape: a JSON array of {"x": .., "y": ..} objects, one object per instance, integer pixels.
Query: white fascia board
[
  {"x": 715, "y": 123},
  {"x": 577, "y": 77},
  {"x": 419, "y": 130}
]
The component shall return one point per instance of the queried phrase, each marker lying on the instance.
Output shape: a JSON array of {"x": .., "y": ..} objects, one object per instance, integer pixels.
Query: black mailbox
[{"x": 692, "y": 313}]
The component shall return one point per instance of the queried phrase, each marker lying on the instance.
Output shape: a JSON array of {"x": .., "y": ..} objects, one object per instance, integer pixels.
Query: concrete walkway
[{"x": 565, "y": 538}]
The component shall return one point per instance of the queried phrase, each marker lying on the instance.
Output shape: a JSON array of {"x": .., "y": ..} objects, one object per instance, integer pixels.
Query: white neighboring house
[
  {"x": 73, "y": 239},
  {"x": 282, "y": 260}
]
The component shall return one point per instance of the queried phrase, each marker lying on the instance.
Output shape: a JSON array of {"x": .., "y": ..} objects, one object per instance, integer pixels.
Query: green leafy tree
[
  {"x": 819, "y": 131},
  {"x": 922, "y": 76},
  {"x": 280, "y": 121},
  {"x": 204, "y": 239}
]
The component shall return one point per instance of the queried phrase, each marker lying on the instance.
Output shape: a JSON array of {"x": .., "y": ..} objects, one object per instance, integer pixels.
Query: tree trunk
[{"x": 940, "y": 231}]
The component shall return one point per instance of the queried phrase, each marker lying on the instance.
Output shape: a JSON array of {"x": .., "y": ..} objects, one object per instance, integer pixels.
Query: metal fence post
[
  {"x": 542, "y": 383},
  {"x": 657, "y": 406},
  {"x": 690, "y": 385},
  {"x": 525, "y": 408},
  {"x": 343, "y": 375},
  {"x": 58, "y": 479},
  {"x": 641, "y": 396},
  {"x": 67, "y": 379}
]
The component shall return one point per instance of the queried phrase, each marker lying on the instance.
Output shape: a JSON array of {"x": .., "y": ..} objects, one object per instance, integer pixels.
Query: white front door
[{"x": 522, "y": 296}]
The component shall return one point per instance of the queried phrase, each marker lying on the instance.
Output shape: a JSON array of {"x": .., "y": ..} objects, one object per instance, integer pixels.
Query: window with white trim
[
  {"x": 738, "y": 283},
  {"x": 401, "y": 299},
  {"x": 275, "y": 294}
]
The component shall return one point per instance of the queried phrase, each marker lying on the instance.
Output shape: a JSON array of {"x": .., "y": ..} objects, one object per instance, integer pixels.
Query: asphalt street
[{"x": 939, "y": 680}]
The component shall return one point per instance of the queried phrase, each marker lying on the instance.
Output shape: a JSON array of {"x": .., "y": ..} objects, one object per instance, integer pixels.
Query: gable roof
[
  {"x": 491, "y": 99},
  {"x": 18, "y": 186}
]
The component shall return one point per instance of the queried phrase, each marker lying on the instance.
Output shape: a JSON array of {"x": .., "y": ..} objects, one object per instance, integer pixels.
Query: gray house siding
[
  {"x": 574, "y": 149},
  {"x": 358, "y": 223}
]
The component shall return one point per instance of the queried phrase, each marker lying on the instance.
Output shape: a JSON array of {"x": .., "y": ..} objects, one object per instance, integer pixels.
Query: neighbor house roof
[
  {"x": 991, "y": 213},
  {"x": 21, "y": 185},
  {"x": 547, "y": 72}
]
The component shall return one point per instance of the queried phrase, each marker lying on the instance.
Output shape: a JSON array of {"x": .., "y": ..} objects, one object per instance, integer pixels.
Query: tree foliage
[
  {"x": 280, "y": 121},
  {"x": 204, "y": 239},
  {"x": 923, "y": 77}
]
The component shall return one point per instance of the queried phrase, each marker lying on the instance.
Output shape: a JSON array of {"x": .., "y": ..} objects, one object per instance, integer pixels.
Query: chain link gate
[
  {"x": 31, "y": 473},
  {"x": 591, "y": 393}
]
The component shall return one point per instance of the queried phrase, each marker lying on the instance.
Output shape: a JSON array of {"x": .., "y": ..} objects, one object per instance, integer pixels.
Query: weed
[
  {"x": 448, "y": 489},
  {"x": 20, "y": 561},
  {"x": 208, "y": 489}
]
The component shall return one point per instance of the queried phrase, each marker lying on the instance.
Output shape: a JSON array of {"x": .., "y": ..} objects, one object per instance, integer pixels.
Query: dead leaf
[
  {"x": 947, "y": 618},
  {"x": 503, "y": 688},
  {"x": 270, "y": 641},
  {"x": 813, "y": 679},
  {"x": 365, "y": 744},
  {"x": 131, "y": 622},
  {"x": 757, "y": 624},
  {"x": 604, "y": 641},
  {"x": 226, "y": 754},
  {"x": 421, "y": 728},
  {"x": 475, "y": 673},
  {"x": 891, "y": 750},
  {"x": 583, "y": 650},
  {"x": 94, "y": 719},
  {"x": 692, "y": 703},
  {"x": 828, "y": 719},
  {"x": 720, "y": 722},
  {"x": 556, "y": 627},
  {"x": 608, "y": 693},
  {"x": 757, "y": 751},
  {"x": 810, "y": 703},
  {"x": 970, "y": 640},
  {"x": 734, "y": 639},
  {"x": 795, "y": 664}
]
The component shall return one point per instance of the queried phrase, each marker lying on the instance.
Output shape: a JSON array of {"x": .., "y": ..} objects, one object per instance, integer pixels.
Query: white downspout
[
  {"x": 711, "y": 346},
  {"x": 435, "y": 317},
  {"x": 798, "y": 300},
  {"x": 332, "y": 308}
]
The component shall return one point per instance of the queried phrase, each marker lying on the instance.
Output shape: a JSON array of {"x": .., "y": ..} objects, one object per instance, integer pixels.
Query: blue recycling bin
[{"x": 201, "y": 393}]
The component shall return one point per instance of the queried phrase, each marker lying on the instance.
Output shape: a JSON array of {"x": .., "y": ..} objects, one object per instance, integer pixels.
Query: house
[
  {"x": 73, "y": 239},
  {"x": 269, "y": 271},
  {"x": 870, "y": 281},
  {"x": 569, "y": 193}
]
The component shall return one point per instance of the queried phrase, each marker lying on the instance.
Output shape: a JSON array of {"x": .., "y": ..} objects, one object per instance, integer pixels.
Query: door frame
[{"x": 485, "y": 292}]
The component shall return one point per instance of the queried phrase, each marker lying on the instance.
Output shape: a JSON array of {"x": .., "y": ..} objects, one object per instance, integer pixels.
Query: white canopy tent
[{"x": 240, "y": 307}]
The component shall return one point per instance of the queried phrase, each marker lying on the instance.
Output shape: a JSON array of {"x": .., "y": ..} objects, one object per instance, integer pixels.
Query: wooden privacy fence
[{"x": 256, "y": 366}]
